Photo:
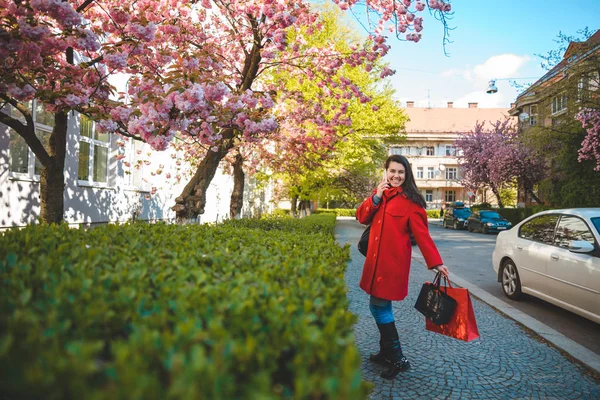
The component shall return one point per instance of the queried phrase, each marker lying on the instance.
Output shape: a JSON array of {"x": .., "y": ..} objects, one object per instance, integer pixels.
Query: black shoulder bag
[{"x": 363, "y": 243}]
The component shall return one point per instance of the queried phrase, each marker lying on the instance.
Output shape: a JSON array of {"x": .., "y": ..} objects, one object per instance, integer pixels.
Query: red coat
[{"x": 387, "y": 267}]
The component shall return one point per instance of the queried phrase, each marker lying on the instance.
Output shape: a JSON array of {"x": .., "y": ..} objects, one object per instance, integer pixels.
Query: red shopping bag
[{"x": 462, "y": 325}]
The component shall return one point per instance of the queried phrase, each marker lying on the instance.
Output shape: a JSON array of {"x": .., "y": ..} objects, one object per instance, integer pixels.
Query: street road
[{"x": 469, "y": 255}]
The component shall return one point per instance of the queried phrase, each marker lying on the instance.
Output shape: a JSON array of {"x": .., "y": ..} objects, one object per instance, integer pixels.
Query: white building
[
  {"x": 429, "y": 146},
  {"x": 99, "y": 187}
]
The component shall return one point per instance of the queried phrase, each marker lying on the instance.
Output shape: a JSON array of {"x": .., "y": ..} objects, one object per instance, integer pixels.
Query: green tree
[{"x": 572, "y": 85}]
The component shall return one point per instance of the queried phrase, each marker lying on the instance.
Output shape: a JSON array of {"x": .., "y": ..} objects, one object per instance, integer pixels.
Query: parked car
[
  {"x": 456, "y": 216},
  {"x": 487, "y": 221},
  {"x": 553, "y": 255}
]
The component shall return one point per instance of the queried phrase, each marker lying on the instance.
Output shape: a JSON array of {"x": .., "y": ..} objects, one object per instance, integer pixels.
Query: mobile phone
[{"x": 385, "y": 176}]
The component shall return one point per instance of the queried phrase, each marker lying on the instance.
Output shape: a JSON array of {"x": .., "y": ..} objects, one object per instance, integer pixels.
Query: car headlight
[
  {"x": 490, "y": 224},
  {"x": 460, "y": 219}
]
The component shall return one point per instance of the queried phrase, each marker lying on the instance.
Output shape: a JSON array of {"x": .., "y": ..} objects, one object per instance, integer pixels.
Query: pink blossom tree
[
  {"x": 590, "y": 147},
  {"x": 492, "y": 158},
  {"x": 194, "y": 70},
  {"x": 255, "y": 37}
]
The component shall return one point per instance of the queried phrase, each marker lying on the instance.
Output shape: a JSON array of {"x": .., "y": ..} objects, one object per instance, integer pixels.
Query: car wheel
[
  {"x": 469, "y": 228},
  {"x": 444, "y": 224},
  {"x": 511, "y": 283},
  {"x": 456, "y": 226},
  {"x": 485, "y": 229}
]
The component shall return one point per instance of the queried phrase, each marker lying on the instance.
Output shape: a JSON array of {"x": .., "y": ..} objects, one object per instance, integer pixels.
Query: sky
[{"x": 492, "y": 39}]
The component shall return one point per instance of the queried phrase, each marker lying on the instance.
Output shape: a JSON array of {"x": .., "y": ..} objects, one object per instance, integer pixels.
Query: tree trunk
[
  {"x": 293, "y": 208},
  {"x": 237, "y": 196},
  {"x": 530, "y": 191},
  {"x": 52, "y": 176},
  {"x": 192, "y": 200},
  {"x": 497, "y": 194}
]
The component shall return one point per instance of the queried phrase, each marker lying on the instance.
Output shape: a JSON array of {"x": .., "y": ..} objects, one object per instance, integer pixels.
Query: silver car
[{"x": 553, "y": 255}]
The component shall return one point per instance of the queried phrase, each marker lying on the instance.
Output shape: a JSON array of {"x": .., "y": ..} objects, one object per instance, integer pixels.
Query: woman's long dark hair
[{"x": 409, "y": 187}]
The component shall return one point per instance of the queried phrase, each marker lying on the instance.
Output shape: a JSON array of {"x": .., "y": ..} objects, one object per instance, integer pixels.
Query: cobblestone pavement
[{"x": 506, "y": 362}]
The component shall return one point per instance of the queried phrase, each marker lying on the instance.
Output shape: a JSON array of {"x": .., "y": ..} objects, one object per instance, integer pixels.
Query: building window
[
  {"x": 419, "y": 172},
  {"x": 450, "y": 150},
  {"x": 430, "y": 173},
  {"x": 23, "y": 162},
  {"x": 452, "y": 173},
  {"x": 450, "y": 196},
  {"x": 401, "y": 150},
  {"x": 430, "y": 151},
  {"x": 533, "y": 114},
  {"x": 93, "y": 153},
  {"x": 135, "y": 165},
  {"x": 559, "y": 103},
  {"x": 429, "y": 195}
]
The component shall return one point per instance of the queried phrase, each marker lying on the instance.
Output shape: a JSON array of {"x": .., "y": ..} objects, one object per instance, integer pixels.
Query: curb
[{"x": 560, "y": 341}]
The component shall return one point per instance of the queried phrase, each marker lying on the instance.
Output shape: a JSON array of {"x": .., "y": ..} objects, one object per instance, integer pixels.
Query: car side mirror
[{"x": 580, "y": 246}]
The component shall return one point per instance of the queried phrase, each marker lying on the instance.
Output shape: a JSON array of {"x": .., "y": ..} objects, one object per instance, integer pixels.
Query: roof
[
  {"x": 573, "y": 50},
  {"x": 451, "y": 120}
]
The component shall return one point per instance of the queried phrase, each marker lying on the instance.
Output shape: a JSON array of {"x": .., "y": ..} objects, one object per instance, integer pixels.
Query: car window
[
  {"x": 572, "y": 228},
  {"x": 462, "y": 213},
  {"x": 540, "y": 228},
  {"x": 596, "y": 222},
  {"x": 490, "y": 214}
]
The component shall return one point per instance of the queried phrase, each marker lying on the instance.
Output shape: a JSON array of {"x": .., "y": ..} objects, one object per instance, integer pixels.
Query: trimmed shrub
[
  {"x": 245, "y": 309},
  {"x": 433, "y": 213},
  {"x": 340, "y": 212}
]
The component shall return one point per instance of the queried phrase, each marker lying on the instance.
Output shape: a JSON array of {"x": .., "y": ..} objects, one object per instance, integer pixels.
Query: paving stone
[{"x": 506, "y": 362}]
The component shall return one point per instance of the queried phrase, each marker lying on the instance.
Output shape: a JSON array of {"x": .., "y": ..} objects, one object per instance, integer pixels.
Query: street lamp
[{"x": 492, "y": 88}]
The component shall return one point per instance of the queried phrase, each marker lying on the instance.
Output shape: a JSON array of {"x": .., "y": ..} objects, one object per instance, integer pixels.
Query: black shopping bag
[{"x": 435, "y": 303}]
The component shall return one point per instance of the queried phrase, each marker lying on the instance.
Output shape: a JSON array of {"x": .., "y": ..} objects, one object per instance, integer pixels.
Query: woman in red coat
[{"x": 394, "y": 211}]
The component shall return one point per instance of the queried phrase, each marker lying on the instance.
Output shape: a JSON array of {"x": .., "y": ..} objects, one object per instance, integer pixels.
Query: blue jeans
[{"x": 381, "y": 310}]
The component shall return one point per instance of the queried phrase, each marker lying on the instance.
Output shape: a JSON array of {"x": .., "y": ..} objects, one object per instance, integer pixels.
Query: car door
[
  {"x": 532, "y": 253},
  {"x": 575, "y": 277}
]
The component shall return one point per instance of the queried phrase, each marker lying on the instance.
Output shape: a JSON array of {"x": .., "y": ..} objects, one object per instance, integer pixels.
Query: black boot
[
  {"x": 394, "y": 358},
  {"x": 379, "y": 358}
]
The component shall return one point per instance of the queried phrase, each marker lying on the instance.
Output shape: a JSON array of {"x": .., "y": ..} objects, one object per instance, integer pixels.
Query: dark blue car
[{"x": 487, "y": 221}]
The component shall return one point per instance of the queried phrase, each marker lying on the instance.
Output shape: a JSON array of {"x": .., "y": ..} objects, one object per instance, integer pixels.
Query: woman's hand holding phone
[{"x": 384, "y": 185}]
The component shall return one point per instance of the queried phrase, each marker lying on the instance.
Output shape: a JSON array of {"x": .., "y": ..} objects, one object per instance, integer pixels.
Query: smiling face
[{"x": 396, "y": 174}]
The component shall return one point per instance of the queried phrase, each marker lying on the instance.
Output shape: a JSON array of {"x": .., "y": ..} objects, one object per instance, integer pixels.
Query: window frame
[
  {"x": 31, "y": 174},
  {"x": 430, "y": 150},
  {"x": 453, "y": 176},
  {"x": 430, "y": 173},
  {"x": 450, "y": 150},
  {"x": 92, "y": 142},
  {"x": 533, "y": 116},
  {"x": 452, "y": 198},
  {"x": 429, "y": 194},
  {"x": 420, "y": 173},
  {"x": 557, "y": 101}
]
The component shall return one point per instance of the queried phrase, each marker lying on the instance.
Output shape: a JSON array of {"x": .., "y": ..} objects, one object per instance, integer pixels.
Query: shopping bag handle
[{"x": 437, "y": 281}]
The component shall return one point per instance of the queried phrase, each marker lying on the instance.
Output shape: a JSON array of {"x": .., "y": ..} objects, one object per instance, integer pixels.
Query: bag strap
[{"x": 437, "y": 282}]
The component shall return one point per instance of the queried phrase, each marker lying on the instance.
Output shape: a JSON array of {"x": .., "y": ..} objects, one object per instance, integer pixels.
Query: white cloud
[{"x": 500, "y": 66}]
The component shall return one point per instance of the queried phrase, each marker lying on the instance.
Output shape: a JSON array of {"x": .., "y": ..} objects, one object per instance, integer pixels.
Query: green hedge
[
  {"x": 247, "y": 309},
  {"x": 515, "y": 215},
  {"x": 340, "y": 212},
  {"x": 433, "y": 213}
]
